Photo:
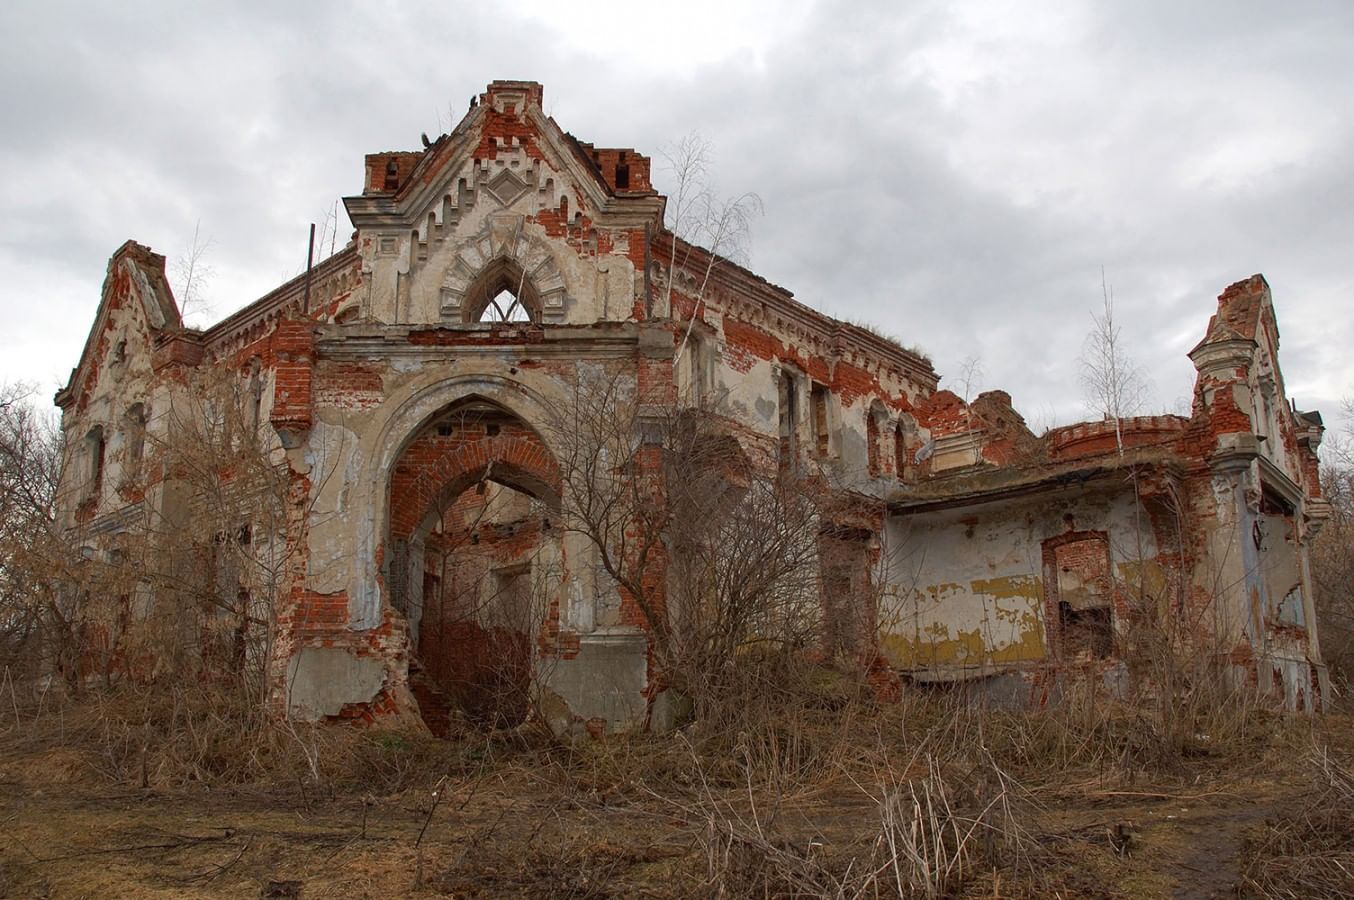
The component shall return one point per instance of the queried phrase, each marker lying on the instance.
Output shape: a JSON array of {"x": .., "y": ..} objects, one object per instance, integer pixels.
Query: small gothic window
[
  {"x": 505, "y": 306},
  {"x": 502, "y": 293}
]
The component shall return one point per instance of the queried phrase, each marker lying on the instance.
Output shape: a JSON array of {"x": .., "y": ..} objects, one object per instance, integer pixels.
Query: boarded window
[
  {"x": 136, "y": 432},
  {"x": 847, "y": 597},
  {"x": 693, "y": 371}
]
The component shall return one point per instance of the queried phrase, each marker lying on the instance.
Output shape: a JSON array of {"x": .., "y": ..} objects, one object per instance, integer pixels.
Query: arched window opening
[
  {"x": 876, "y": 428},
  {"x": 904, "y": 448},
  {"x": 819, "y": 399},
  {"x": 505, "y": 306},
  {"x": 787, "y": 396},
  {"x": 502, "y": 293}
]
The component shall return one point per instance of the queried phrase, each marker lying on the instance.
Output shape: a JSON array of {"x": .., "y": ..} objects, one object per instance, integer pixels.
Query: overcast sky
[{"x": 954, "y": 172}]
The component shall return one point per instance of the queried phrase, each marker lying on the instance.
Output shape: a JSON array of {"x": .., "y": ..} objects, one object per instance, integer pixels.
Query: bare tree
[
  {"x": 607, "y": 457},
  {"x": 1114, "y": 385},
  {"x": 1332, "y": 553},
  {"x": 327, "y": 232},
  {"x": 719, "y": 555},
  {"x": 192, "y": 274},
  {"x": 969, "y": 381},
  {"x": 701, "y": 217},
  {"x": 36, "y": 630}
]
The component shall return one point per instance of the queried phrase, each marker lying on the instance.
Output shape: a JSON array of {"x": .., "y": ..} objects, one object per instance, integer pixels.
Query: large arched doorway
[{"x": 474, "y": 500}]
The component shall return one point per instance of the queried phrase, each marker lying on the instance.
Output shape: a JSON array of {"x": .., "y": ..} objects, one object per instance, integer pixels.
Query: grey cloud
[{"x": 958, "y": 181}]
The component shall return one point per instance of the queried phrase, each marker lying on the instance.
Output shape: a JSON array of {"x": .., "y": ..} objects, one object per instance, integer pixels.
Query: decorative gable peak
[
  {"x": 136, "y": 304},
  {"x": 512, "y": 97}
]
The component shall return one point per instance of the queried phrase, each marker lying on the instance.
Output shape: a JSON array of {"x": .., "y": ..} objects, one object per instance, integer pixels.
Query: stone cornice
[{"x": 423, "y": 342}]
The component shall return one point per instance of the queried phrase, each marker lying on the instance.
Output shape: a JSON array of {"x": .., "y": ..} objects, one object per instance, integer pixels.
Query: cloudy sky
[{"x": 954, "y": 172}]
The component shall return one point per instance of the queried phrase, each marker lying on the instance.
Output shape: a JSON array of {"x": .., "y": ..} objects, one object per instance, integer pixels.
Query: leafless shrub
[
  {"x": 1332, "y": 559},
  {"x": 171, "y": 615},
  {"x": 718, "y": 555}
]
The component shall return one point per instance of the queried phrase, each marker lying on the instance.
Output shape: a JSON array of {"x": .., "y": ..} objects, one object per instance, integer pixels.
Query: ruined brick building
[{"x": 403, "y": 389}]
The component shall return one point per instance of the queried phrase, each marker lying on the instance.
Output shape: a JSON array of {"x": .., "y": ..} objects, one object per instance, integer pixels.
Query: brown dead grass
[{"x": 788, "y": 804}]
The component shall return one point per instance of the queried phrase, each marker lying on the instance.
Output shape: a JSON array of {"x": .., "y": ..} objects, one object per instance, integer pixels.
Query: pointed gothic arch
[
  {"x": 502, "y": 293},
  {"x": 504, "y": 256}
]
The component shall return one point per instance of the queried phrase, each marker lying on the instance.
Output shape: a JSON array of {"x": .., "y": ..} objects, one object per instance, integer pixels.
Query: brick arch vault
[
  {"x": 523, "y": 461},
  {"x": 474, "y": 560}
]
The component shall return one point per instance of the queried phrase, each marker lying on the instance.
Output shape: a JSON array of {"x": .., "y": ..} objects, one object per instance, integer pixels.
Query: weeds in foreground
[
  {"x": 812, "y": 789},
  {"x": 1308, "y": 852}
]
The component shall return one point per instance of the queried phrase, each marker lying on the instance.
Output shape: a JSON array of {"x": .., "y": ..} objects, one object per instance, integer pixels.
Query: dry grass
[
  {"x": 1308, "y": 851},
  {"x": 817, "y": 792}
]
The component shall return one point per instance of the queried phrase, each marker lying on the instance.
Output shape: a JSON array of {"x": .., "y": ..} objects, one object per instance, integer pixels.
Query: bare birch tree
[
  {"x": 701, "y": 217},
  {"x": 192, "y": 273},
  {"x": 969, "y": 380},
  {"x": 1113, "y": 384}
]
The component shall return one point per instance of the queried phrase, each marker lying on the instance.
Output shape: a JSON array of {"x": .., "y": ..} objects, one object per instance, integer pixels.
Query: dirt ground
[{"x": 532, "y": 826}]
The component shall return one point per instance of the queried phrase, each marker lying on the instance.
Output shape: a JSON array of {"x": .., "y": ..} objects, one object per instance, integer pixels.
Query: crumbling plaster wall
[
  {"x": 353, "y": 447},
  {"x": 964, "y": 588},
  {"x": 749, "y": 353},
  {"x": 504, "y": 182},
  {"x": 122, "y": 372}
]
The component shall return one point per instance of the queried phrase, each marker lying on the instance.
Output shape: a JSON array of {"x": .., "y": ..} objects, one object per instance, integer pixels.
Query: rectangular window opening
[{"x": 819, "y": 398}]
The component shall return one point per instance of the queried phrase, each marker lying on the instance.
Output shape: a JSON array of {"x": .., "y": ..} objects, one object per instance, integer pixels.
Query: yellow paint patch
[{"x": 992, "y": 621}]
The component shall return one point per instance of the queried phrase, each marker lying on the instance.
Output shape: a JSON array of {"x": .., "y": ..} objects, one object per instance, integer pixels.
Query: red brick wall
[
  {"x": 294, "y": 355},
  {"x": 436, "y": 467}
]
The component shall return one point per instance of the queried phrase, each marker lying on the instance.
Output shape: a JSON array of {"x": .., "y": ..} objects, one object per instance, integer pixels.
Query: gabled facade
[{"x": 409, "y": 390}]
